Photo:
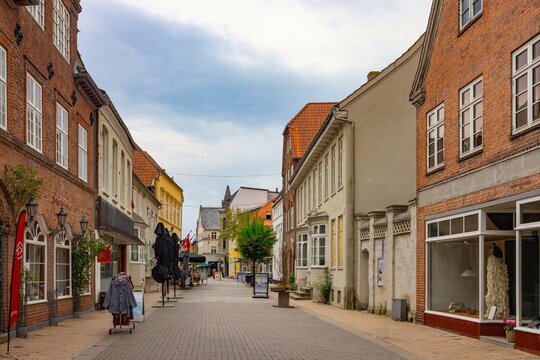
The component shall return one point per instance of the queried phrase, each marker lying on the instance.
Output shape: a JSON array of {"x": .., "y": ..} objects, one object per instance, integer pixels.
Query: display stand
[{"x": 260, "y": 290}]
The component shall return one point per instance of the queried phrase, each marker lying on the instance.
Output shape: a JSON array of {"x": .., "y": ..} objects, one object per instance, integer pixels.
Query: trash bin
[{"x": 399, "y": 309}]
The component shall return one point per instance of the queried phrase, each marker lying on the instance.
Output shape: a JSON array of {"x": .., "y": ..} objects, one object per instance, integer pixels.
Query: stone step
[
  {"x": 301, "y": 295},
  {"x": 498, "y": 340}
]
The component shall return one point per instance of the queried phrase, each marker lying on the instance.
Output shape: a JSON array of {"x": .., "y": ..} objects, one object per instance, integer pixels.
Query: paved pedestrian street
[{"x": 223, "y": 321}]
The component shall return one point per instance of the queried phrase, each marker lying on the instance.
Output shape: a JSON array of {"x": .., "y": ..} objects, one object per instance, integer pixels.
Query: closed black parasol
[
  {"x": 160, "y": 272},
  {"x": 176, "y": 273}
]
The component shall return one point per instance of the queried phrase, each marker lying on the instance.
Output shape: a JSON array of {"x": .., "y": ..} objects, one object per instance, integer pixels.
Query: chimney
[{"x": 372, "y": 75}]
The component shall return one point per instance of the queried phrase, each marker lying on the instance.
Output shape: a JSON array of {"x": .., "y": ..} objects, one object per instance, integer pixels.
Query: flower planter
[{"x": 511, "y": 336}]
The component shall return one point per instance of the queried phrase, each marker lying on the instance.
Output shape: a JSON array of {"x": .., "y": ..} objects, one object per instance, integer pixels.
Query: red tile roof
[
  {"x": 304, "y": 126},
  {"x": 146, "y": 168}
]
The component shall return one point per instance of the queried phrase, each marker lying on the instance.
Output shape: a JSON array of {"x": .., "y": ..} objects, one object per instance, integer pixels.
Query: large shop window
[
  {"x": 35, "y": 261},
  {"x": 319, "y": 245},
  {"x": 453, "y": 277},
  {"x": 63, "y": 264},
  {"x": 530, "y": 279},
  {"x": 301, "y": 251}
]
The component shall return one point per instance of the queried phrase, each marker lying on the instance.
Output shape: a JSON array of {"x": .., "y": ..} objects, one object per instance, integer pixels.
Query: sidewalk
[
  {"x": 70, "y": 337},
  {"x": 422, "y": 341}
]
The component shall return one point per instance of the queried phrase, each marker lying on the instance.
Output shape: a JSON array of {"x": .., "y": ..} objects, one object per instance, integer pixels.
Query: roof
[
  {"x": 304, "y": 125},
  {"x": 209, "y": 217},
  {"x": 146, "y": 168}
]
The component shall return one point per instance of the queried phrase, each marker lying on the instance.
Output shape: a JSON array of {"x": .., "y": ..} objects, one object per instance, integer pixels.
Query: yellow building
[{"x": 169, "y": 194}]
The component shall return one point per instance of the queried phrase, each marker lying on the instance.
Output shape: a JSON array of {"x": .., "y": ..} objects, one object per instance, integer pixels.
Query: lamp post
[
  {"x": 101, "y": 231},
  {"x": 84, "y": 224},
  {"x": 31, "y": 208},
  {"x": 62, "y": 217}
]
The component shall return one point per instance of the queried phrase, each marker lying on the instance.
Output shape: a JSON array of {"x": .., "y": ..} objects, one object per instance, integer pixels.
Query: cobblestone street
[{"x": 222, "y": 321}]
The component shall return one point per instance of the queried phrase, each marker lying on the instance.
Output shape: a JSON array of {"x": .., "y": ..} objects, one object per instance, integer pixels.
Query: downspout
[{"x": 342, "y": 115}]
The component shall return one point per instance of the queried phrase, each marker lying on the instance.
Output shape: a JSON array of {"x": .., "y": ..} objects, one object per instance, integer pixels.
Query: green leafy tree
[
  {"x": 83, "y": 255},
  {"x": 255, "y": 241},
  {"x": 232, "y": 220},
  {"x": 21, "y": 183}
]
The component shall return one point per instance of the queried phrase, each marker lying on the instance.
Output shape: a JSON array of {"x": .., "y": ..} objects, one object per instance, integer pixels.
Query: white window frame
[
  {"x": 61, "y": 28},
  {"x": 525, "y": 226},
  {"x": 472, "y": 16},
  {"x": 61, "y": 241},
  {"x": 213, "y": 249},
  {"x": 302, "y": 251},
  {"x": 34, "y": 116},
  {"x": 318, "y": 251},
  {"x": 138, "y": 251},
  {"x": 38, "y": 13},
  {"x": 527, "y": 71},
  {"x": 3, "y": 88},
  {"x": 469, "y": 107},
  {"x": 326, "y": 165},
  {"x": 340, "y": 163},
  {"x": 461, "y": 235},
  {"x": 83, "y": 153},
  {"x": 320, "y": 183},
  {"x": 333, "y": 172},
  {"x": 34, "y": 230},
  {"x": 62, "y": 138},
  {"x": 435, "y": 126}
]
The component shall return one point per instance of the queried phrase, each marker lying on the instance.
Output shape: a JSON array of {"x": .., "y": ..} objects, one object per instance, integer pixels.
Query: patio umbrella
[
  {"x": 160, "y": 272},
  {"x": 176, "y": 273}
]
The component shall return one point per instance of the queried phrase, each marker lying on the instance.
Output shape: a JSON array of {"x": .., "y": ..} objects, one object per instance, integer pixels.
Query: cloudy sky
[{"x": 207, "y": 86}]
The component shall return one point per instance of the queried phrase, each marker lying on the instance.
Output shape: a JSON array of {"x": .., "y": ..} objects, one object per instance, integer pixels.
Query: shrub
[{"x": 324, "y": 285}]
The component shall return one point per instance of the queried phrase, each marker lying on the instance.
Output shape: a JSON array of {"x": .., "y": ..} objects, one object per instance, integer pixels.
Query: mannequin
[{"x": 497, "y": 283}]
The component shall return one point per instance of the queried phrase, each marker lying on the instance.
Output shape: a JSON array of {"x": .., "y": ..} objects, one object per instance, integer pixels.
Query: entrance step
[{"x": 498, "y": 340}]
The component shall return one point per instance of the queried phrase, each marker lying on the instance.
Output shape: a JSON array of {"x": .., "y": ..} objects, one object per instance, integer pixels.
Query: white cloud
[{"x": 304, "y": 36}]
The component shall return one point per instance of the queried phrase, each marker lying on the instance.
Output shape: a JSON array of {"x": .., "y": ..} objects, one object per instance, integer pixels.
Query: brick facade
[
  {"x": 61, "y": 188},
  {"x": 451, "y": 60}
]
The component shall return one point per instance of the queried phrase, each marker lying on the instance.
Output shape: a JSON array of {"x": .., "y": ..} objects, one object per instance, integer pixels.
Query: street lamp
[
  {"x": 84, "y": 224},
  {"x": 101, "y": 231},
  {"x": 62, "y": 217},
  {"x": 31, "y": 208}
]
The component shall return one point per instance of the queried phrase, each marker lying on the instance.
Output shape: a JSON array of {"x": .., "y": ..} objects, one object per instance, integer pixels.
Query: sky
[{"x": 207, "y": 86}]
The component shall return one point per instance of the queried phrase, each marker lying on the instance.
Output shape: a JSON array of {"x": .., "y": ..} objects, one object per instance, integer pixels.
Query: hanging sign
[
  {"x": 104, "y": 255},
  {"x": 16, "y": 272},
  {"x": 261, "y": 285}
]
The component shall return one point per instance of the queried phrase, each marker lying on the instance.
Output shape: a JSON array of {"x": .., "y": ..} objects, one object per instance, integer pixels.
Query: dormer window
[{"x": 469, "y": 10}]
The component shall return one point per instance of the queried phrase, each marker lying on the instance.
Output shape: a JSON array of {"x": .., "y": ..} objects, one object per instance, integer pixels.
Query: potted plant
[
  {"x": 509, "y": 328},
  {"x": 83, "y": 256},
  {"x": 324, "y": 285}
]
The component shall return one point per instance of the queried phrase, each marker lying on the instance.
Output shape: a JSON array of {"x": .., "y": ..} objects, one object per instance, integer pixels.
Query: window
[
  {"x": 435, "y": 138},
  {"x": 138, "y": 253},
  {"x": 61, "y": 28},
  {"x": 105, "y": 163},
  {"x": 340, "y": 241},
  {"x": 35, "y": 261},
  {"x": 326, "y": 177},
  {"x": 469, "y": 10},
  {"x": 213, "y": 235},
  {"x": 471, "y": 109},
  {"x": 319, "y": 245},
  {"x": 122, "y": 177},
  {"x": 33, "y": 113},
  {"x": 61, "y": 136},
  {"x": 320, "y": 183},
  {"x": 162, "y": 204},
  {"x": 301, "y": 251},
  {"x": 62, "y": 258},
  {"x": 453, "y": 226},
  {"x": 37, "y": 12},
  {"x": 268, "y": 215},
  {"x": 340, "y": 163},
  {"x": 3, "y": 88},
  {"x": 333, "y": 243},
  {"x": 83, "y": 154},
  {"x": 309, "y": 198},
  {"x": 333, "y": 173},
  {"x": 315, "y": 187},
  {"x": 213, "y": 249},
  {"x": 526, "y": 88},
  {"x": 127, "y": 185},
  {"x": 115, "y": 168}
]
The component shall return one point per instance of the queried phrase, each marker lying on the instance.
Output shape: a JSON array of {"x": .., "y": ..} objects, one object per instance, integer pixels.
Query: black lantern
[
  {"x": 62, "y": 217},
  {"x": 101, "y": 231},
  {"x": 84, "y": 224},
  {"x": 31, "y": 208}
]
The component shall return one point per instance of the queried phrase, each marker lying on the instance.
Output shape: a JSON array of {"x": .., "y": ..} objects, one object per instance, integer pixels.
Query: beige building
[
  {"x": 145, "y": 212},
  {"x": 360, "y": 164},
  {"x": 208, "y": 231}
]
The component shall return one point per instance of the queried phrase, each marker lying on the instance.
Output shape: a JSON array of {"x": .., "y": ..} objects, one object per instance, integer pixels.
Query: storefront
[{"x": 483, "y": 266}]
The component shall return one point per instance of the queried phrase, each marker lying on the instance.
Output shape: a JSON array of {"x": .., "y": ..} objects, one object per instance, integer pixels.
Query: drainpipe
[{"x": 343, "y": 115}]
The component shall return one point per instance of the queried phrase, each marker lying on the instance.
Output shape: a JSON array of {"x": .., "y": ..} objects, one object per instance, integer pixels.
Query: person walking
[{"x": 204, "y": 277}]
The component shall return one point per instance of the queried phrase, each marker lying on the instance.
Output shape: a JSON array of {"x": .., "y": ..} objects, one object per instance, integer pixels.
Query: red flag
[
  {"x": 187, "y": 243},
  {"x": 16, "y": 271}
]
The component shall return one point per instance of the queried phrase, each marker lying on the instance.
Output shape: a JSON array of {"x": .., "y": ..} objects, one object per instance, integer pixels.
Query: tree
[{"x": 255, "y": 241}]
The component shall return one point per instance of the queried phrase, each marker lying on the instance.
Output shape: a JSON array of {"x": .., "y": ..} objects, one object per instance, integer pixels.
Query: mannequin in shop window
[{"x": 497, "y": 284}]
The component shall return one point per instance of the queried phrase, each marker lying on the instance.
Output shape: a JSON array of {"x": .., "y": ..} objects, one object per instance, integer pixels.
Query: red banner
[
  {"x": 104, "y": 255},
  {"x": 16, "y": 271}
]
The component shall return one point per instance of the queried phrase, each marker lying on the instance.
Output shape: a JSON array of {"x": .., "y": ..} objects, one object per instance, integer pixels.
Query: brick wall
[
  {"x": 483, "y": 49},
  {"x": 61, "y": 187}
]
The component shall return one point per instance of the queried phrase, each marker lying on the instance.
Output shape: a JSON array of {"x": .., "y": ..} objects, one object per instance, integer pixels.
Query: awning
[
  {"x": 193, "y": 258},
  {"x": 118, "y": 225},
  {"x": 120, "y": 239}
]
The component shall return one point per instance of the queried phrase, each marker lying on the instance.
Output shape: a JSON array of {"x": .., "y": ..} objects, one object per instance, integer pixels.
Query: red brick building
[
  {"x": 47, "y": 105},
  {"x": 298, "y": 134},
  {"x": 477, "y": 95}
]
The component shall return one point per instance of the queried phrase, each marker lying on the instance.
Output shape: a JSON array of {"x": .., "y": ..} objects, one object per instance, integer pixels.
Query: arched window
[
  {"x": 35, "y": 261},
  {"x": 62, "y": 259}
]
